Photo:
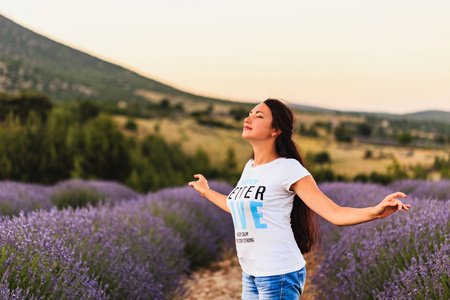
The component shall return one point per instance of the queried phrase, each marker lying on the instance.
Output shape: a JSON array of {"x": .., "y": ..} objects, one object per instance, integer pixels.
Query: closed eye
[{"x": 259, "y": 114}]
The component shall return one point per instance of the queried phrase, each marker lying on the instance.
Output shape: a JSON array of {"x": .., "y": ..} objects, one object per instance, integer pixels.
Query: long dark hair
[{"x": 304, "y": 221}]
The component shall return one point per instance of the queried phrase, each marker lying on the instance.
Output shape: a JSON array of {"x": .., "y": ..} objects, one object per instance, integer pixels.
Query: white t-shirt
[{"x": 261, "y": 206}]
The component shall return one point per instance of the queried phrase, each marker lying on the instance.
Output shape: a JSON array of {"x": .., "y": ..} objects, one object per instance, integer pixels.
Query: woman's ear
[{"x": 276, "y": 132}]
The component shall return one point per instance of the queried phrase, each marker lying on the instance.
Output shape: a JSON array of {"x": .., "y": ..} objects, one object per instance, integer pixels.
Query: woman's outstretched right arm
[{"x": 201, "y": 186}]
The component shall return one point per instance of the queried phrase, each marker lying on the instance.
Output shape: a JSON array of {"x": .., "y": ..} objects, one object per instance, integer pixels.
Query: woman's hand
[
  {"x": 390, "y": 205},
  {"x": 201, "y": 185}
]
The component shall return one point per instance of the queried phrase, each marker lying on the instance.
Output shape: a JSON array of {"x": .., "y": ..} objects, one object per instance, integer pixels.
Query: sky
[{"x": 384, "y": 55}]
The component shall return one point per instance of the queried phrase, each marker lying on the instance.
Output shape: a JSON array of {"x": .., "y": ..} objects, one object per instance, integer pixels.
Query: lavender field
[
  {"x": 127, "y": 246},
  {"x": 100, "y": 240},
  {"x": 405, "y": 256}
]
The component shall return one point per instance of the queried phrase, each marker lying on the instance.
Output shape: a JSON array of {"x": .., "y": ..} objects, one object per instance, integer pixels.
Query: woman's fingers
[
  {"x": 393, "y": 202},
  {"x": 201, "y": 185},
  {"x": 199, "y": 176},
  {"x": 201, "y": 180},
  {"x": 393, "y": 196},
  {"x": 196, "y": 176}
]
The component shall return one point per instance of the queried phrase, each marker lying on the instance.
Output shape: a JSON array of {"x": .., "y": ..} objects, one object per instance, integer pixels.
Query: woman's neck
[{"x": 264, "y": 153}]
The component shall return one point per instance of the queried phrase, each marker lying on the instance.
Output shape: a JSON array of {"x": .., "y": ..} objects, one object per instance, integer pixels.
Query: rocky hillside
[{"x": 31, "y": 61}]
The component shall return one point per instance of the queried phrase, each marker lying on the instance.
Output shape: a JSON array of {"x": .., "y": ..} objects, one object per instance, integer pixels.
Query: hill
[
  {"x": 29, "y": 60},
  {"x": 435, "y": 115},
  {"x": 428, "y": 115}
]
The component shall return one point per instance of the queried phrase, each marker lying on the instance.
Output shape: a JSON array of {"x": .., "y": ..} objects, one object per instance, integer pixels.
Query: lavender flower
[
  {"x": 36, "y": 265},
  {"x": 424, "y": 188},
  {"x": 205, "y": 227},
  {"x": 425, "y": 278},
  {"x": 78, "y": 193},
  {"x": 364, "y": 261},
  {"x": 118, "y": 249},
  {"x": 113, "y": 191},
  {"x": 16, "y": 197}
]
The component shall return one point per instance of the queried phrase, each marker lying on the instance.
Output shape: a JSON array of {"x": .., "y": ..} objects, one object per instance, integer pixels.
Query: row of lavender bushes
[
  {"x": 127, "y": 246},
  {"x": 405, "y": 256},
  {"x": 16, "y": 197}
]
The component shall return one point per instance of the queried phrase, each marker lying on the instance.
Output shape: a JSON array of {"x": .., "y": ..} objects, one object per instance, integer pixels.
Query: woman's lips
[{"x": 247, "y": 128}]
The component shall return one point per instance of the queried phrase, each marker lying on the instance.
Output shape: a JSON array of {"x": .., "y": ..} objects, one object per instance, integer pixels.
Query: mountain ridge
[
  {"x": 30, "y": 60},
  {"x": 67, "y": 72}
]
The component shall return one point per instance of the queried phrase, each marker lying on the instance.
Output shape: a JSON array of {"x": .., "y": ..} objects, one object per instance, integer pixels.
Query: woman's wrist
[
  {"x": 204, "y": 192},
  {"x": 374, "y": 213}
]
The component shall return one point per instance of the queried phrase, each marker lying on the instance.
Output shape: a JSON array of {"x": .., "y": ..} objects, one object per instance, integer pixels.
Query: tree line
[{"x": 83, "y": 142}]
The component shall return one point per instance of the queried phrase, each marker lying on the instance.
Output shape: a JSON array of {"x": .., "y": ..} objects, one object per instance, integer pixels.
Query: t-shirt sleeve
[{"x": 291, "y": 173}]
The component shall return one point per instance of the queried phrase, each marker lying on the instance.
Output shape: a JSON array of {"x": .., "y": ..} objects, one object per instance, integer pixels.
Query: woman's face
[{"x": 258, "y": 124}]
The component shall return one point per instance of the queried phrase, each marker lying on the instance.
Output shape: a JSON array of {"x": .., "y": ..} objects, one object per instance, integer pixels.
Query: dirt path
[{"x": 222, "y": 280}]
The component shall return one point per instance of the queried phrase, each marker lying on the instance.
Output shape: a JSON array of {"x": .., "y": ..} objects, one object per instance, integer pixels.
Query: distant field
[
  {"x": 346, "y": 159},
  {"x": 191, "y": 135}
]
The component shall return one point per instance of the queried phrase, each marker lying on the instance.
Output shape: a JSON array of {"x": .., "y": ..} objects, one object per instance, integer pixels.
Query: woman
[{"x": 272, "y": 207}]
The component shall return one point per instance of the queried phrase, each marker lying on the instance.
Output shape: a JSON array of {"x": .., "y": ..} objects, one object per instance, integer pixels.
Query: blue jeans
[{"x": 285, "y": 287}]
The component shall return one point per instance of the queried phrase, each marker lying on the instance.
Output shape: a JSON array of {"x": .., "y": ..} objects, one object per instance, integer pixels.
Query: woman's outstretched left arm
[{"x": 306, "y": 188}]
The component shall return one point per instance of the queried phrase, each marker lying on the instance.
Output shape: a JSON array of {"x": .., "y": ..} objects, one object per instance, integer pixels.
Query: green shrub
[
  {"x": 130, "y": 125},
  {"x": 381, "y": 178},
  {"x": 419, "y": 172},
  {"x": 368, "y": 154},
  {"x": 405, "y": 138},
  {"x": 343, "y": 134},
  {"x": 322, "y": 158},
  {"x": 324, "y": 174},
  {"x": 361, "y": 177}
]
